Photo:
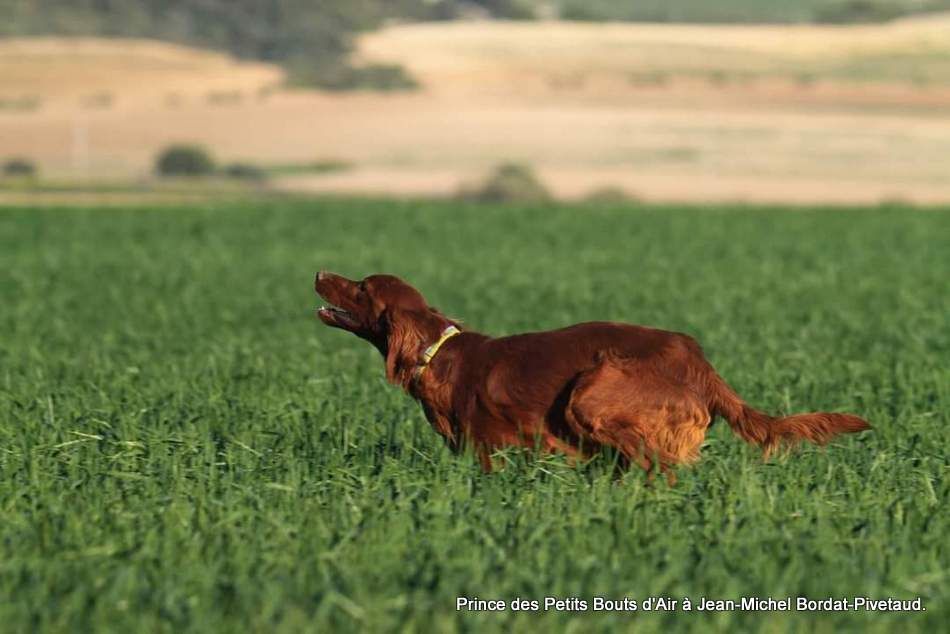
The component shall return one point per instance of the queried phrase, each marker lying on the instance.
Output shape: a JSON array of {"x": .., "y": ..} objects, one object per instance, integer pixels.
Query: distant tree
[
  {"x": 294, "y": 33},
  {"x": 851, "y": 11},
  {"x": 510, "y": 9},
  {"x": 184, "y": 160},
  {"x": 245, "y": 172},
  {"x": 313, "y": 38},
  {"x": 19, "y": 167},
  {"x": 509, "y": 183}
]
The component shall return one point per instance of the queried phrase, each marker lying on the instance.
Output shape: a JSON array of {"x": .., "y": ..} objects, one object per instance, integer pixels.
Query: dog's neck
[
  {"x": 433, "y": 349},
  {"x": 434, "y": 386},
  {"x": 438, "y": 363}
]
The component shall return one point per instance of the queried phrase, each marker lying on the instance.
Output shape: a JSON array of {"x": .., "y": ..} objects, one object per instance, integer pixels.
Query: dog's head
[{"x": 385, "y": 311}]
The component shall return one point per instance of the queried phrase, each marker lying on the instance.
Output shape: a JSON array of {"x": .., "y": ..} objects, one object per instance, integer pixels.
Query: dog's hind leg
[{"x": 651, "y": 419}]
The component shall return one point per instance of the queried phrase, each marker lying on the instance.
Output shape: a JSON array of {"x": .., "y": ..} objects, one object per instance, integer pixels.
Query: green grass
[{"x": 183, "y": 448}]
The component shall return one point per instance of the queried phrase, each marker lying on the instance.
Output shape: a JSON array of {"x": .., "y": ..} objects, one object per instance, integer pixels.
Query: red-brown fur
[{"x": 649, "y": 393}]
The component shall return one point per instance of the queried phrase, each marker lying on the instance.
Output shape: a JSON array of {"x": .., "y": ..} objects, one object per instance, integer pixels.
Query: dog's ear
[
  {"x": 404, "y": 345},
  {"x": 408, "y": 333}
]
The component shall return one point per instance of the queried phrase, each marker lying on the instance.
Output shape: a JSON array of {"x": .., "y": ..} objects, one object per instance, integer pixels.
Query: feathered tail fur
[{"x": 770, "y": 432}]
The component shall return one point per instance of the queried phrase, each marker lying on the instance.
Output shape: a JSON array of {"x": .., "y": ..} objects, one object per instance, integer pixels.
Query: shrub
[
  {"x": 583, "y": 12},
  {"x": 609, "y": 195},
  {"x": 510, "y": 9},
  {"x": 318, "y": 166},
  {"x": 26, "y": 103},
  {"x": 380, "y": 77},
  {"x": 509, "y": 183},
  {"x": 246, "y": 172},
  {"x": 184, "y": 160},
  {"x": 20, "y": 167},
  {"x": 851, "y": 11},
  {"x": 98, "y": 101},
  {"x": 224, "y": 97}
]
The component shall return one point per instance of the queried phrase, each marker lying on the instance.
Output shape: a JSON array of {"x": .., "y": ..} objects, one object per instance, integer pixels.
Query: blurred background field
[
  {"x": 824, "y": 101},
  {"x": 184, "y": 448}
]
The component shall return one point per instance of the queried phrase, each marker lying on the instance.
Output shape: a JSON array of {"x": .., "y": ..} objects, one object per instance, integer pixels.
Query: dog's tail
[{"x": 769, "y": 432}]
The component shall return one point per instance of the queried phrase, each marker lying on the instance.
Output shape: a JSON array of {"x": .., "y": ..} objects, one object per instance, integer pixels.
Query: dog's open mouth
[{"x": 334, "y": 316}]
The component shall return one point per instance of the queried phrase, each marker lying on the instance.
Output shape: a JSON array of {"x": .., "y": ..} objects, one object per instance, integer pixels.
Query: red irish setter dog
[{"x": 649, "y": 393}]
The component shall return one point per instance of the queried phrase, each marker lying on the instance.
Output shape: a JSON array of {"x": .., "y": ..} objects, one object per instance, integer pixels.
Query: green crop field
[{"x": 184, "y": 448}]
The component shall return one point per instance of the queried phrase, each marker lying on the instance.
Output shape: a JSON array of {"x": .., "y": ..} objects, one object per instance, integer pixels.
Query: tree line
[{"x": 310, "y": 38}]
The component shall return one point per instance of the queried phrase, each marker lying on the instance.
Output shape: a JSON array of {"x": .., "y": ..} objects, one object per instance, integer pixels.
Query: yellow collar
[{"x": 431, "y": 351}]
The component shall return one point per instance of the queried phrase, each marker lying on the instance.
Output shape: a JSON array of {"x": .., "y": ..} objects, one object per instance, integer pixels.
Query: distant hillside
[
  {"x": 804, "y": 113},
  {"x": 310, "y": 39},
  {"x": 313, "y": 40},
  {"x": 604, "y": 61},
  {"x": 101, "y": 74}
]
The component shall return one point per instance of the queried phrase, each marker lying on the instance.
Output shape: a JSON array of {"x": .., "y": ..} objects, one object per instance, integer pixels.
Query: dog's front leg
[{"x": 484, "y": 458}]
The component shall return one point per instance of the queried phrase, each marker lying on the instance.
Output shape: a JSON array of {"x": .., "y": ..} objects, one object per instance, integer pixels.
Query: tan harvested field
[
  {"x": 796, "y": 114},
  {"x": 86, "y": 72}
]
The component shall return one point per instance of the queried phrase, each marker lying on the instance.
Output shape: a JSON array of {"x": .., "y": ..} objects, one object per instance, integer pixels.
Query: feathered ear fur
[
  {"x": 410, "y": 331},
  {"x": 405, "y": 341}
]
